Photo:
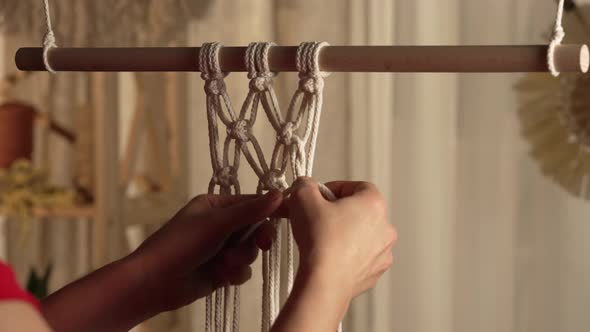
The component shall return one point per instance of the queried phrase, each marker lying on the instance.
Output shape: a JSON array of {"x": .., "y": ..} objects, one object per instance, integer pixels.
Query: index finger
[
  {"x": 212, "y": 201},
  {"x": 344, "y": 189},
  {"x": 222, "y": 201}
]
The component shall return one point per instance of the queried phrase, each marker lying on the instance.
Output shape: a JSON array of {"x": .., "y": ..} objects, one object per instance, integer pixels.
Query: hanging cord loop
[
  {"x": 558, "y": 36},
  {"x": 311, "y": 84},
  {"x": 49, "y": 42}
]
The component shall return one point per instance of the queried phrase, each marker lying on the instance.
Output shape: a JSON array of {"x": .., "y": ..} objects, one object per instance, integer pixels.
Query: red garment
[{"x": 10, "y": 290}]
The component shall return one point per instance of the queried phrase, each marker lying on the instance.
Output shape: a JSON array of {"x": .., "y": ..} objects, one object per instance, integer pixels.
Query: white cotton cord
[
  {"x": 236, "y": 313},
  {"x": 558, "y": 36},
  {"x": 275, "y": 286},
  {"x": 218, "y": 310},
  {"x": 226, "y": 309},
  {"x": 327, "y": 193},
  {"x": 208, "y": 313},
  {"x": 266, "y": 297},
  {"x": 49, "y": 41}
]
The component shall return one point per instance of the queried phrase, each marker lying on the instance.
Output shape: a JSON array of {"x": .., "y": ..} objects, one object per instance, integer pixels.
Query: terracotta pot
[{"x": 16, "y": 132}]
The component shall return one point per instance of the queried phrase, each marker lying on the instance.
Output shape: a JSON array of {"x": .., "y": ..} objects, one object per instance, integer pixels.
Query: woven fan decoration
[{"x": 555, "y": 117}]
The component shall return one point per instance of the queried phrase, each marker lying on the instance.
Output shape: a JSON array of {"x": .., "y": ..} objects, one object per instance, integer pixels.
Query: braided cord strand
[{"x": 558, "y": 36}]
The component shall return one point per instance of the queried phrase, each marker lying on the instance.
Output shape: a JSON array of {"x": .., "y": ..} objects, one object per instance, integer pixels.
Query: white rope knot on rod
[
  {"x": 558, "y": 36},
  {"x": 49, "y": 41}
]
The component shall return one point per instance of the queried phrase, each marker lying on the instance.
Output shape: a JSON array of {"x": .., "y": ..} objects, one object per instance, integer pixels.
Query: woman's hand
[
  {"x": 345, "y": 246},
  {"x": 351, "y": 237},
  {"x": 195, "y": 252},
  {"x": 188, "y": 258}
]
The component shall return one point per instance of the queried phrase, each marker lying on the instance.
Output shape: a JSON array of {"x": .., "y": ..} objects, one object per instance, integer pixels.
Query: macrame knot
[
  {"x": 214, "y": 86},
  {"x": 240, "y": 130},
  {"x": 286, "y": 136},
  {"x": 274, "y": 179},
  {"x": 559, "y": 32},
  {"x": 558, "y": 35},
  {"x": 311, "y": 85},
  {"x": 225, "y": 177},
  {"x": 48, "y": 44},
  {"x": 49, "y": 40},
  {"x": 260, "y": 83}
]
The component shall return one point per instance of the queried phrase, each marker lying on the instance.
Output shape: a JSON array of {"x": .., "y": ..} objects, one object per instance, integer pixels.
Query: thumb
[
  {"x": 305, "y": 196},
  {"x": 249, "y": 212}
]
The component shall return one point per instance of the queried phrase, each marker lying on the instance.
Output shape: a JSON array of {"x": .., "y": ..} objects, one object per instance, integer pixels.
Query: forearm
[
  {"x": 20, "y": 316},
  {"x": 318, "y": 302},
  {"x": 109, "y": 299}
]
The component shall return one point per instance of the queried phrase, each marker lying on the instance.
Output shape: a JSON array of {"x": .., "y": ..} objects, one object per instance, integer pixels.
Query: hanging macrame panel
[{"x": 292, "y": 156}]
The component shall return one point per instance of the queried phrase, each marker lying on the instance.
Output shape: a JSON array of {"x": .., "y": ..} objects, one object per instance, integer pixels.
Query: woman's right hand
[{"x": 350, "y": 239}]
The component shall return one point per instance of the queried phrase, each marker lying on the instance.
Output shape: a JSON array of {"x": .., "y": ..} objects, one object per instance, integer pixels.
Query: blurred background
[{"x": 486, "y": 242}]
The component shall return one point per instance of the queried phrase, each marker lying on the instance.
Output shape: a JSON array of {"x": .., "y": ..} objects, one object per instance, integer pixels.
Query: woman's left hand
[{"x": 195, "y": 252}]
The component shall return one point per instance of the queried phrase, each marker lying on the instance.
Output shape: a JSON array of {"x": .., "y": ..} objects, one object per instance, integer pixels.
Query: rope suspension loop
[
  {"x": 49, "y": 41},
  {"x": 558, "y": 36}
]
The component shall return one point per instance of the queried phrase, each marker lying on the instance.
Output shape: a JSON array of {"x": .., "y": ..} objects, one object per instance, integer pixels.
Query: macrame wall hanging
[
  {"x": 294, "y": 151},
  {"x": 297, "y": 129}
]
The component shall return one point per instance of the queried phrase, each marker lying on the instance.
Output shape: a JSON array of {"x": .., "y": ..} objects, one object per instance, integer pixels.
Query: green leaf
[{"x": 39, "y": 285}]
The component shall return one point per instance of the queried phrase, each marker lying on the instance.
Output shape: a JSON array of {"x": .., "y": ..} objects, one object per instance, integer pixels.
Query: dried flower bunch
[{"x": 24, "y": 188}]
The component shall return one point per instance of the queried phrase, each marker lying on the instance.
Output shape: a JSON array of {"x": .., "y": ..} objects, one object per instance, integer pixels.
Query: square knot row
[
  {"x": 225, "y": 177},
  {"x": 214, "y": 86},
  {"x": 274, "y": 179},
  {"x": 261, "y": 83},
  {"x": 240, "y": 130},
  {"x": 311, "y": 84}
]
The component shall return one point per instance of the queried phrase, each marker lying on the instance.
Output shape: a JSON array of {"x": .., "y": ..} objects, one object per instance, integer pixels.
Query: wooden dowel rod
[{"x": 466, "y": 59}]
